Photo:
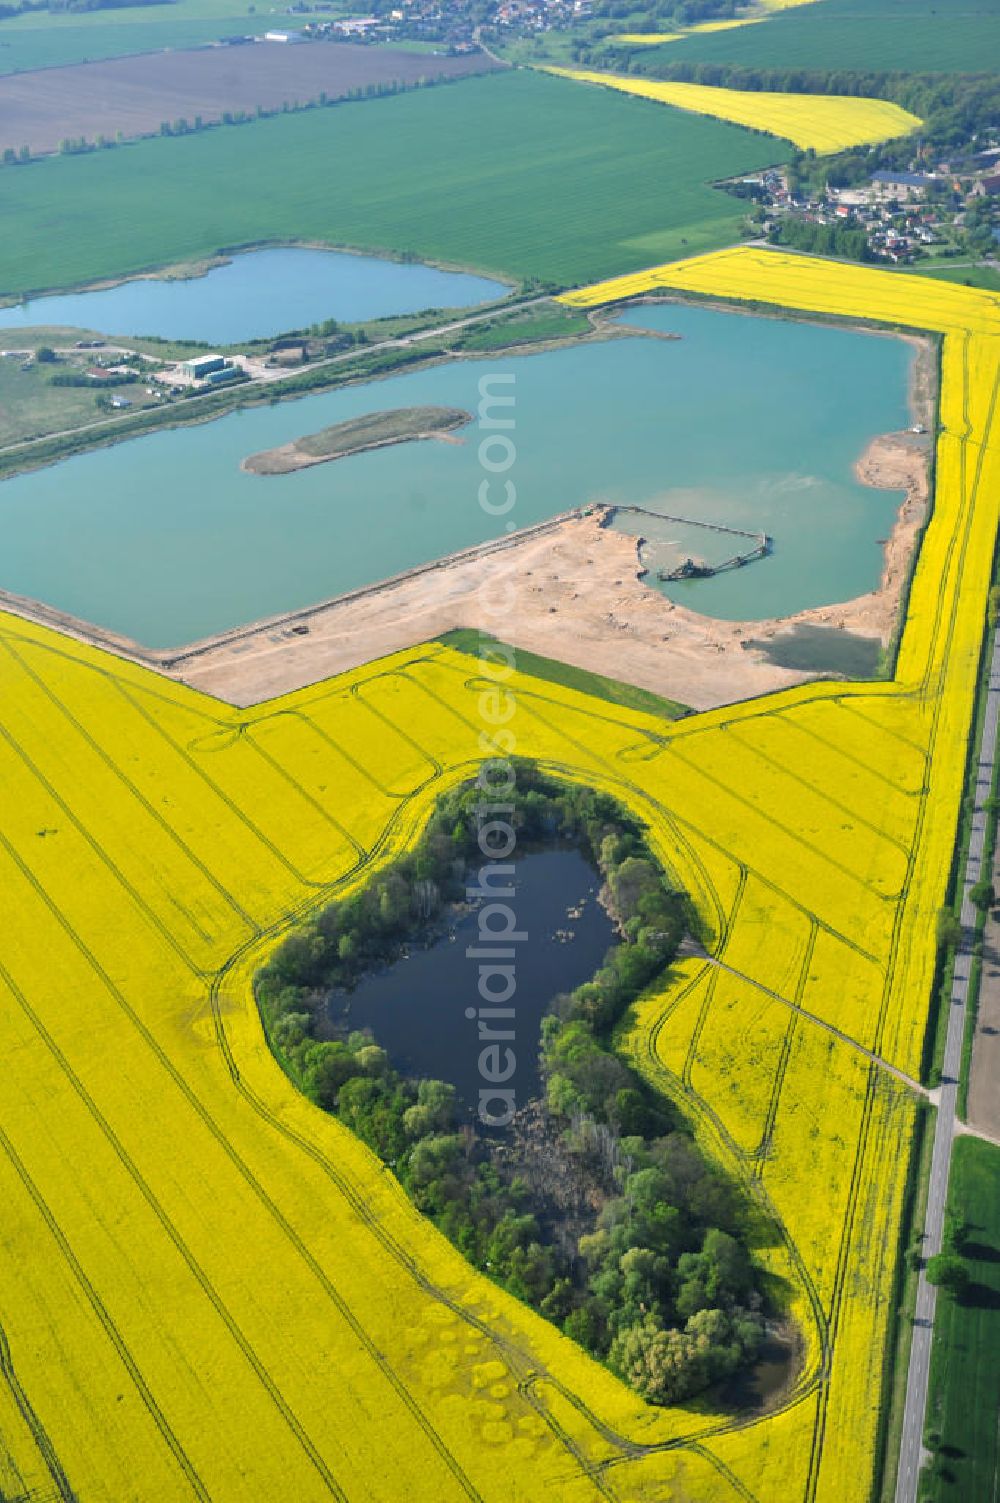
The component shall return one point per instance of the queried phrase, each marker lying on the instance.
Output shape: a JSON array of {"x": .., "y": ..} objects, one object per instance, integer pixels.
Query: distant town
[{"x": 455, "y": 28}]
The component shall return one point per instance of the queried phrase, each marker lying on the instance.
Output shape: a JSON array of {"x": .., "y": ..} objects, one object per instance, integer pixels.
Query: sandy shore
[{"x": 578, "y": 596}]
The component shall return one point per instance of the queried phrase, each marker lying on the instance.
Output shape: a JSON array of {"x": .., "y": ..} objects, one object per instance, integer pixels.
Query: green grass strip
[{"x": 467, "y": 639}]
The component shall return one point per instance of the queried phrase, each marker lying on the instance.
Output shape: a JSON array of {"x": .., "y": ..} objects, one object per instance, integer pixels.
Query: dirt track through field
[{"x": 135, "y": 95}]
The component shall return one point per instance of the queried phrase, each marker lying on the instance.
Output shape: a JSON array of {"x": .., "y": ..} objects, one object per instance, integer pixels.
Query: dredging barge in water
[{"x": 693, "y": 568}]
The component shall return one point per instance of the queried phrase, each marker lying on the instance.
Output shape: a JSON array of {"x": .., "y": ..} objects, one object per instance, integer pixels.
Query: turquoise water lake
[
  {"x": 743, "y": 420},
  {"x": 257, "y": 294}
]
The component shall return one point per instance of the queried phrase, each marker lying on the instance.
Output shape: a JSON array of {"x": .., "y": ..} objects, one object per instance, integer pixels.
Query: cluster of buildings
[
  {"x": 411, "y": 20},
  {"x": 905, "y": 215},
  {"x": 451, "y": 24},
  {"x": 539, "y": 15},
  {"x": 210, "y": 370},
  {"x": 893, "y": 212}
]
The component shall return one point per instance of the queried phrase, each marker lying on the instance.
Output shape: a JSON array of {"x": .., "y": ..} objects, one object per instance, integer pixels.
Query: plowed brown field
[{"x": 135, "y": 95}]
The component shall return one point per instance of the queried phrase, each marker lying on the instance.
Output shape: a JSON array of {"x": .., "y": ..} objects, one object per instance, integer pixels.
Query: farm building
[{"x": 203, "y": 365}]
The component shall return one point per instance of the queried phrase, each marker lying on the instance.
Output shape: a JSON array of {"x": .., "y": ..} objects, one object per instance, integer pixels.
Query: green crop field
[
  {"x": 965, "y": 1371},
  {"x": 968, "y": 276},
  {"x": 517, "y": 174},
  {"x": 476, "y": 643},
  {"x": 39, "y": 39},
  {"x": 923, "y": 36}
]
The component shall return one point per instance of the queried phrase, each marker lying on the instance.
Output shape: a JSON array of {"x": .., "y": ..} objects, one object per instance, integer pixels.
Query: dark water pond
[
  {"x": 759, "y": 1387},
  {"x": 822, "y": 649},
  {"x": 418, "y": 1008}
]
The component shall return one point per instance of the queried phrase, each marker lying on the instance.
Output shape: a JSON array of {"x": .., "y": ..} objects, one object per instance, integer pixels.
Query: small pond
[
  {"x": 257, "y": 294},
  {"x": 418, "y": 1008}
]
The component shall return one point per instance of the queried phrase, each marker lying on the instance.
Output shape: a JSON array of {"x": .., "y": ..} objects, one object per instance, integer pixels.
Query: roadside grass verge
[{"x": 467, "y": 639}]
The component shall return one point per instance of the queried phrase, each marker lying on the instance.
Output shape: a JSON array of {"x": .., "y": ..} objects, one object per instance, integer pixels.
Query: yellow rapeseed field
[
  {"x": 647, "y": 38},
  {"x": 210, "y": 1289},
  {"x": 655, "y": 38},
  {"x": 820, "y": 122}
]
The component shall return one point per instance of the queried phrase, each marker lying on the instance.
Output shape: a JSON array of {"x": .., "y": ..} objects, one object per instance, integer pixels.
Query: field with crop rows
[
  {"x": 531, "y": 176},
  {"x": 656, "y": 38},
  {"x": 50, "y": 39},
  {"x": 704, "y": 28},
  {"x": 919, "y": 36},
  {"x": 819, "y": 122},
  {"x": 133, "y": 95},
  {"x": 210, "y": 1289}
]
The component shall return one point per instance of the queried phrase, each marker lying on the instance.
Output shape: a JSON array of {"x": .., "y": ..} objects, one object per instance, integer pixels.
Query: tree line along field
[
  {"x": 263, "y": 1313},
  {"x": 42, "y": 39},
  {"x": 514, "y": 173},
  {"x": 135, "y": 95},
  {"x": 918, "y": 36}
]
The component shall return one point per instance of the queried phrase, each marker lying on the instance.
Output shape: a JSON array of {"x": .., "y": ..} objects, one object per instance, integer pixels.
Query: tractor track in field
[
  {"x": 33, "y": 1424},
  {"x": 627, "y": 1448},
  {"x": 93, "y": 1298},
  {"x": 316, "y": 891},
  {"x": 810, "y": 1017}
]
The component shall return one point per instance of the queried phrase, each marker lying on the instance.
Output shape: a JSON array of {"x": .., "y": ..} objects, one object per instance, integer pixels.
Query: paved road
[
  {"x": 402, "y": 343},
  {"x": 911, "y": 1446}
]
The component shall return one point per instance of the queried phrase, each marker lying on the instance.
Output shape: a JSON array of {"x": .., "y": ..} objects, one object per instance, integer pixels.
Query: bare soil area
[
  {"x": 135, "y": 95},
  {"x": 578, "y": 596}
]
